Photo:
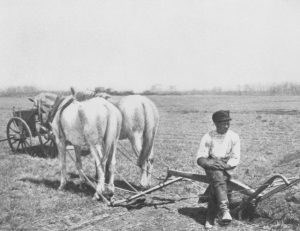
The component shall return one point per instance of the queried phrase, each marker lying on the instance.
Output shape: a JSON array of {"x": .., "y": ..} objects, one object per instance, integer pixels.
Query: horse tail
[
  {"x": 151, "y": 119},
  {"x": 82, "y": 116},
  {"x": 113, "y": 126}
]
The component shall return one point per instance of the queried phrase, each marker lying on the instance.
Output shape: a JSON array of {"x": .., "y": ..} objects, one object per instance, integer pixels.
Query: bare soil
[{"x": 269, "y": 129}]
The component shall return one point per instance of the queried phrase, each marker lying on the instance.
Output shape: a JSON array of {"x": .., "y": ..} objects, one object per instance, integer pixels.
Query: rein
[
  {"x": 54, "y": 109},
  {"x": 63, "y": 107},
  {"x": 58, "y": 108}
]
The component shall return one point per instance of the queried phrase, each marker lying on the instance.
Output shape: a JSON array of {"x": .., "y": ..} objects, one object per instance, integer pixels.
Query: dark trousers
[{"x": 218, "y": 185}]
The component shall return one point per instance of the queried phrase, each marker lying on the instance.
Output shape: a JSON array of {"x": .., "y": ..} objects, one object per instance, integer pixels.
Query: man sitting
[{"x": 219, "y": 154}]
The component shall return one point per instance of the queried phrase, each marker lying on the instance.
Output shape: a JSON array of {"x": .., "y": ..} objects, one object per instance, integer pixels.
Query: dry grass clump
[{"x": 269, "y": 130}]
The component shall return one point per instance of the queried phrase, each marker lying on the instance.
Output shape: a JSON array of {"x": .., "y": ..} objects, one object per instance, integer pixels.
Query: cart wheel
[
  {"x": 19, "y": 135},
  {"x": 48, "y": 144}
]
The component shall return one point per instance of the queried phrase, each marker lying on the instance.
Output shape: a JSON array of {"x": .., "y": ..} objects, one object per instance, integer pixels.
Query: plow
[
  {"x": 27, "y": 124},
  {"x": 252, "y": 197}
]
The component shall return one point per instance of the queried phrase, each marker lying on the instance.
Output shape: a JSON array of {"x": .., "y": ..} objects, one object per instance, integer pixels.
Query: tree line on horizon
[
  {"x": 286, "y": 88},
  {"x": 276, "y": 89}
]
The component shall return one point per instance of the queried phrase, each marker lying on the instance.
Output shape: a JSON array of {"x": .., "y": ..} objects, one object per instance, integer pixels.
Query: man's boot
[{"x": 224, "y": 215}]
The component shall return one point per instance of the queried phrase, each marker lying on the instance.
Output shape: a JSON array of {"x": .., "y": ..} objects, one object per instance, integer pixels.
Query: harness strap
[
  {"x": 61, "y": 131},
  {"x": 54, "y": 109}
]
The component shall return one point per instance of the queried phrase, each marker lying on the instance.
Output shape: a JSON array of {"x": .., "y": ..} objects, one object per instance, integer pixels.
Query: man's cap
[{"x": 220, "y": 116}]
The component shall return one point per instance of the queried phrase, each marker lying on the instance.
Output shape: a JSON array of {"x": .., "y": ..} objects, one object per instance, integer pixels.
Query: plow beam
[
  {"x": 150, "y": 190},
  {"x": 232, "y": 183}
]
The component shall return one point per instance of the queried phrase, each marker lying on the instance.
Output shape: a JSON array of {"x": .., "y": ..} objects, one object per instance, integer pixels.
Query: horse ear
[{"x": 73, "y": 91}]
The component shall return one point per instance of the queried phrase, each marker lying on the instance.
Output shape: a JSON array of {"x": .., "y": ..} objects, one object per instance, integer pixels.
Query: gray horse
[
  {"x": 95, "y": 123},
  {"x": 140, "y": 120}
]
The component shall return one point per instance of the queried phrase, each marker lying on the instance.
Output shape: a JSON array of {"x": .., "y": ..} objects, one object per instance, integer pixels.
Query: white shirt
[{"x": 220, "y": 146}]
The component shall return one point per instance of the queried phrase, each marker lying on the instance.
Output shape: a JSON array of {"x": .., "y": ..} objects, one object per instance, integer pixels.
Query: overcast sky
[{"x": 192, "y": 44}]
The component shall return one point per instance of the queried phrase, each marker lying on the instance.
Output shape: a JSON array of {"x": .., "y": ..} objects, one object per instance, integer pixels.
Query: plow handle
[
  {"x": 232, "y": 183},
  {"x": 187, "y": 175},
  {"x": 267, "y": 184}
]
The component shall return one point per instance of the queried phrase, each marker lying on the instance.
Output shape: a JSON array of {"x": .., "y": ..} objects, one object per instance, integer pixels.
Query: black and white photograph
[{"x": 148, "y": 115}]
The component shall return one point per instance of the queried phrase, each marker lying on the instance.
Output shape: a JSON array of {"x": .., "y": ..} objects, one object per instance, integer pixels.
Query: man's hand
[{"x": 213, "y": 164}]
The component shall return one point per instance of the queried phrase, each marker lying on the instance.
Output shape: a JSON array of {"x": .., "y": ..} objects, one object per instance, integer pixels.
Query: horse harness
[{"x": 58, "y": 106}]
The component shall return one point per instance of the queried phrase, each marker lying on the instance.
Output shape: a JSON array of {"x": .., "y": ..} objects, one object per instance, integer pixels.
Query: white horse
[
  {"x": 94, "y": 122},
  {"x": 140, "y": 120}
]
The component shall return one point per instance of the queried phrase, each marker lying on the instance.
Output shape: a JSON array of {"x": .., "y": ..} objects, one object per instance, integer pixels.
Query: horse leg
[
  {"x": 136, "y": 144},
  {"x": 136, "y": 141},
  {"x": 98, "y": 157},
  {"x": 96, "y": 173},
  {"x": 77, "y": 150},
  {"x": 146, "y": 159},
  {"x": 110, "y": 170},
  {"x": 62, "y": 156},
  {"x": 148, "y": 165}
]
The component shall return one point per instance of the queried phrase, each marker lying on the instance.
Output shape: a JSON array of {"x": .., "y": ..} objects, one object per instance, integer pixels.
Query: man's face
[{"x": 222, "y": 127}]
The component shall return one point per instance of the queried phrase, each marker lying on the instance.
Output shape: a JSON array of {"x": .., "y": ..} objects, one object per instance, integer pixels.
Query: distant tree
[
  {"x": 20, "y": 91},
  {"x": 156, "y": 88},
  {"x": 172, "y": 88},
  {"x": 99, "y": 89},
  {"x": 248, "y": 89},
  {"x": 285, "y": 89},
  {"x": 148, "y": 92}
]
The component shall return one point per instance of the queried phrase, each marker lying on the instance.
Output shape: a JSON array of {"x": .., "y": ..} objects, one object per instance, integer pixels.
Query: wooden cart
[{"x": 28, "y": 128}]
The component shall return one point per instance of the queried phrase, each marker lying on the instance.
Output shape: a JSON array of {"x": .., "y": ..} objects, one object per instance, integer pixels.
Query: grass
[{"x": 28, "y": 185}]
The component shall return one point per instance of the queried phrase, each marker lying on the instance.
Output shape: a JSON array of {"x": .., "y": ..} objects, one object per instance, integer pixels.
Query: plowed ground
[{"x": 269, "y": 129}]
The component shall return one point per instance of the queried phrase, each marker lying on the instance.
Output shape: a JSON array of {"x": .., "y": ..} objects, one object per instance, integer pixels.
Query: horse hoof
[
  {"x": 61, "y": 187},
  {"x": 96, "y": 197},
  {"x": 112, "y": 199},
  {"x": 80, "y": 184},
  {"x": 144, "y": 187}
]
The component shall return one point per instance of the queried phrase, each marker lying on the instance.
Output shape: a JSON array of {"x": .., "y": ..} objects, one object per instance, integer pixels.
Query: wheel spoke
[
  {"x": 15, "y": 124},
  {"x": 26, "y": 147},
  {"x": 18, "y": 146},
  {"x": 23, "y": 131},
  {"x": 19, "y": 134},
  {"x": 15, "y": 131},
  {"x": 23, "y": 147},
  {"x": 14, "y": 141},
  {"x": 26, "y": 142}
]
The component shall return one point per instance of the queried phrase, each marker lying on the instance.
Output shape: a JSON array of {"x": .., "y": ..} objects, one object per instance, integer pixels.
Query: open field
[{"x": 269, "y": 129}]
